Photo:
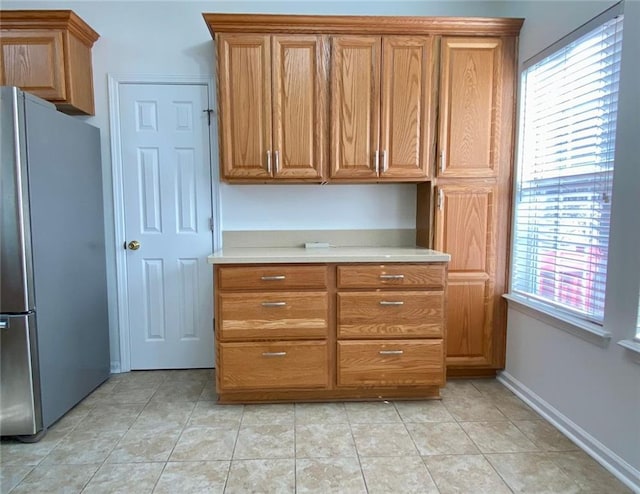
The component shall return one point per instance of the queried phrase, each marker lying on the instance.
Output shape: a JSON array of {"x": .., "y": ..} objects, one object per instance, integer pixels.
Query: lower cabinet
[{"x": 329, "y": 331}]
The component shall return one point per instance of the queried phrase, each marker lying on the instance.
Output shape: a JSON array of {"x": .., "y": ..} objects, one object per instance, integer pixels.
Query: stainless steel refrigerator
[{"x": 54, "y": 336}]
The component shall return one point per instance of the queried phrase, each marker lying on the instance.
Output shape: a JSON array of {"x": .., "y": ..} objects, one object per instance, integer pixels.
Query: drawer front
[
  {"x": 390, "y": 363},
  {"x": 390, "y": 314},
  {"x": 273, "y": 365},
  {"x": 273, "y": 315},
  {"x": 272, "y": 277},
  {"x": 400, "y": 275}
]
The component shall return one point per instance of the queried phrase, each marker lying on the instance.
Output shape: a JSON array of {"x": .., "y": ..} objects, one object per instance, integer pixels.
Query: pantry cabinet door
[
  {"x": 299, "y": 106},
  {"x": 244, "y": 78},
  {"x": 355, "y": 106},
  {"x": 471, "y": 104},
  {"x": 408, "y": 106}
]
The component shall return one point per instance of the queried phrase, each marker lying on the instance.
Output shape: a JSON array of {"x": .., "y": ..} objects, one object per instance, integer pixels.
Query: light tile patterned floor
[{"x": 162, "y": 432}]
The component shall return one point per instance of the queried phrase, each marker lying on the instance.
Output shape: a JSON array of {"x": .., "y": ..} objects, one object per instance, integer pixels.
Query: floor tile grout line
[{"x": 233, "y": 451}]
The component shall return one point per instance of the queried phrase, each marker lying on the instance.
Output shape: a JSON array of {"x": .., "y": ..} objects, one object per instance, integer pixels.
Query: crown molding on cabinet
[
  {"x": 48, "y": 20},
  {"x": 330, "y": 24}
]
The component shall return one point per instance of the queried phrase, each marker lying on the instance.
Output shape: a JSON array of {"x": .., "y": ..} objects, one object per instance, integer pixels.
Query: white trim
[
  {"x": 617, "y": 466},
  {"x": 632, "y": 346},
  {"x": 114, "y": 82},
  {"x": 590, "y": 332}
]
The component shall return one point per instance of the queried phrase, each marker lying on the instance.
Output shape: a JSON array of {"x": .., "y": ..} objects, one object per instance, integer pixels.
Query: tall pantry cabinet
[
  {"x": 473, "y": 195},
  {"x": 427, "y": 100}
]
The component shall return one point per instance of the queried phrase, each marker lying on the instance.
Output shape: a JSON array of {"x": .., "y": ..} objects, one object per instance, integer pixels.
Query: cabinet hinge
[{"x": 440, "y": 198}]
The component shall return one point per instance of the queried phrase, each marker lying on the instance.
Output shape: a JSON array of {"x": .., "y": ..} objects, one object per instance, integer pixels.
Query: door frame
[{"x": 114, "y": 83}]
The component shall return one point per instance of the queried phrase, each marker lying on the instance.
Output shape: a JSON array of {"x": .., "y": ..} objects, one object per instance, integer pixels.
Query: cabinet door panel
[
  {"x": 299, "y": 89},
  {"x": 407, "y": 106},
  {"x": 470, "y": 106},
  {"x": 464, "y": 226},
  {"x": 34, "y": 62},
  {"x": 355, "y": 106},
  {"x": 245, "y": 105},
  {"x": 469, "y": 320}
]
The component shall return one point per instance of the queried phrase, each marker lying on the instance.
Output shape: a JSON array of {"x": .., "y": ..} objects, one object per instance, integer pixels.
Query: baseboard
[
  {"x": 115, "y": 367},
  {"x": 621, "y": 469}
]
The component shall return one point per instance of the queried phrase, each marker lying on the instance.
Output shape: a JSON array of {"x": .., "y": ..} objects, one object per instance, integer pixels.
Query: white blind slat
[{"x": 566, "y": 161}]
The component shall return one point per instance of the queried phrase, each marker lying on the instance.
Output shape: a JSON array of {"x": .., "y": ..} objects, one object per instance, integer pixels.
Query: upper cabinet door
[
  {"x": 355, "y": 106},
  {"x": 299, "y": 106},
  {"x": 408, "y": 106},
  {"x": 470, "y": 107},
  {"x": 244, "y": 84}
]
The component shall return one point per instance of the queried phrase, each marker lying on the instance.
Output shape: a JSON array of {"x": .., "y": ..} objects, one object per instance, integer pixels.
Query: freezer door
[
  {"x": 16, "y": 289},
  {"x": 19, "y": 386}
]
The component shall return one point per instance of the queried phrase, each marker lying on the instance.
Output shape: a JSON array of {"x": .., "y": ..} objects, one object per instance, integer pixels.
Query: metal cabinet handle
[
  {"x": 277, "y": 157},
  {"x": 273, "y": 304},
  {"x": 391, "y": 352},
  {"x": 385, "y": 161},
  {"x": 376, "y": 159},
  {"x": 269, "y": 162},
  {"x": 274, "y": 354},
  {"x": 385, "y": 302},
  {"x": 392, "y": 277},
  {"x": 273, "y": 278}
]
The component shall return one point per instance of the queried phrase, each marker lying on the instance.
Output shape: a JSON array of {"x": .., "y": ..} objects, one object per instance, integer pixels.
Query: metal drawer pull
[
  {"x": 273, "y": 304},
  {"x": 385, "y": 302},
  {"x": 273, "y": 278},
  {"x": 274, "y": 354},
  {"x": 392, "y": 277},
  {"x": 391, "y": 352}
]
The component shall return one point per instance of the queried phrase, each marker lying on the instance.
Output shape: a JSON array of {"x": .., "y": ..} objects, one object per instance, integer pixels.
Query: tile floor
[{"x": 162, "y": 432}]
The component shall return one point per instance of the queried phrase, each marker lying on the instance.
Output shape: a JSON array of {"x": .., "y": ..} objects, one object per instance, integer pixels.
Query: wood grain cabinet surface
[
  {"x": 382, "y": 110},
  {"x": 272, "y": 93},
  {"x": 329, "y": 339},
  {"x": 48, "y": 53}
]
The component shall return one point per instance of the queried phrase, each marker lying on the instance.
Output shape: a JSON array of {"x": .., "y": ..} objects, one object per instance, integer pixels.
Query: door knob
[{"x": 133, "y": 245}]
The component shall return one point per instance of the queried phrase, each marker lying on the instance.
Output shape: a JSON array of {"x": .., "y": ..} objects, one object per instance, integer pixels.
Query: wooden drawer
[
  {"x": 384, "y": 275},
  {"x": 272, "y": 315},
  {"x": 390, "y": 314},
  {"x": 273, "y": 277},
  {"x": 390, "y": 363},
  {"x": 274, "y": 365}
]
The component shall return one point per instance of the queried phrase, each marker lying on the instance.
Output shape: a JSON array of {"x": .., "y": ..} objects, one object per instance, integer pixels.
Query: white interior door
[{"x": 168, "y": 209}]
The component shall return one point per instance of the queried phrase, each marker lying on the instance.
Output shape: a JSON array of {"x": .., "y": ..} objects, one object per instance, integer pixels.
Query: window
[{"x": 565, "y": 170}]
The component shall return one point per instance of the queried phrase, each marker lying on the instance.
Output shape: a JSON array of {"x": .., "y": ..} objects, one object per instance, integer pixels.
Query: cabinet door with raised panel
[
  {"x": 34, "y": 61},
  {"x": 299, "y": 106},
  {"x": 471, "y": 92},
  {"x": 408, "y": 106},
  {"x": 465, "y": 228},
  {"x": 244, "y": 79},
  {"x": 355, "y": 106}
]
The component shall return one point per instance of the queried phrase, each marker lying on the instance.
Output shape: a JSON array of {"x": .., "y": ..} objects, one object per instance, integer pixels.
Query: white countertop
[{"x": 259, "y": 255}]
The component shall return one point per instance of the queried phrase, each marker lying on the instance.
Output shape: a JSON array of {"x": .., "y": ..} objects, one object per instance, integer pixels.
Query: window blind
[{"x": 565, "y": 171}]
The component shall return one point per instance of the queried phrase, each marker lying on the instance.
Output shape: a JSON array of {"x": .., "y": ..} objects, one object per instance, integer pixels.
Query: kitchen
[{"x": 129, "y": 45}]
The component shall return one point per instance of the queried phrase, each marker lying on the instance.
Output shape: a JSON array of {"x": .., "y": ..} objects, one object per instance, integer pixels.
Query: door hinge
[
  {"x": 208, "y": 111},
  {"x": 211, "y": 224}
]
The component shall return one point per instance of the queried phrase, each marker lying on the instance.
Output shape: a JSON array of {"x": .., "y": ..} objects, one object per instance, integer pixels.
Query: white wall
[{"x": 596, "y": 388}]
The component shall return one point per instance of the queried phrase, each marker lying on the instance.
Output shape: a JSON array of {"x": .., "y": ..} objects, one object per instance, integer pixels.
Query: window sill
[
  {"x": 587, "y": 331},
  {"x": 632, "y": 346}
]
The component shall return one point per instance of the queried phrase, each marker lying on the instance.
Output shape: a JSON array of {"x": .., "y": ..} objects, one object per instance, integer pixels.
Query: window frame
[{"x": 549, "y": 313}]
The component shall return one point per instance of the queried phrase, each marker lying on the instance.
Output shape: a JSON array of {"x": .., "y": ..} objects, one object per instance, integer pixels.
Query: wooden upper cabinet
[
  {"x": 244, "y": 85},
  {"x": 408, "y": 106},
  {"x": 470, "y": 107},
  {"x": 299, "y": 106},
  {"x": 272, "y": 93},
  {"x": 382, "y": 110},
  {"x": 355, "y": 106},
  {"x": 48, "y": 53}
]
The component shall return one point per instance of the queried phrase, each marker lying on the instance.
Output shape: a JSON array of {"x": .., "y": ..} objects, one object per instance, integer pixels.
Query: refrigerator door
[
  {"x": 19, "y": 393},
  {"x": 16, "y": 288}
]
